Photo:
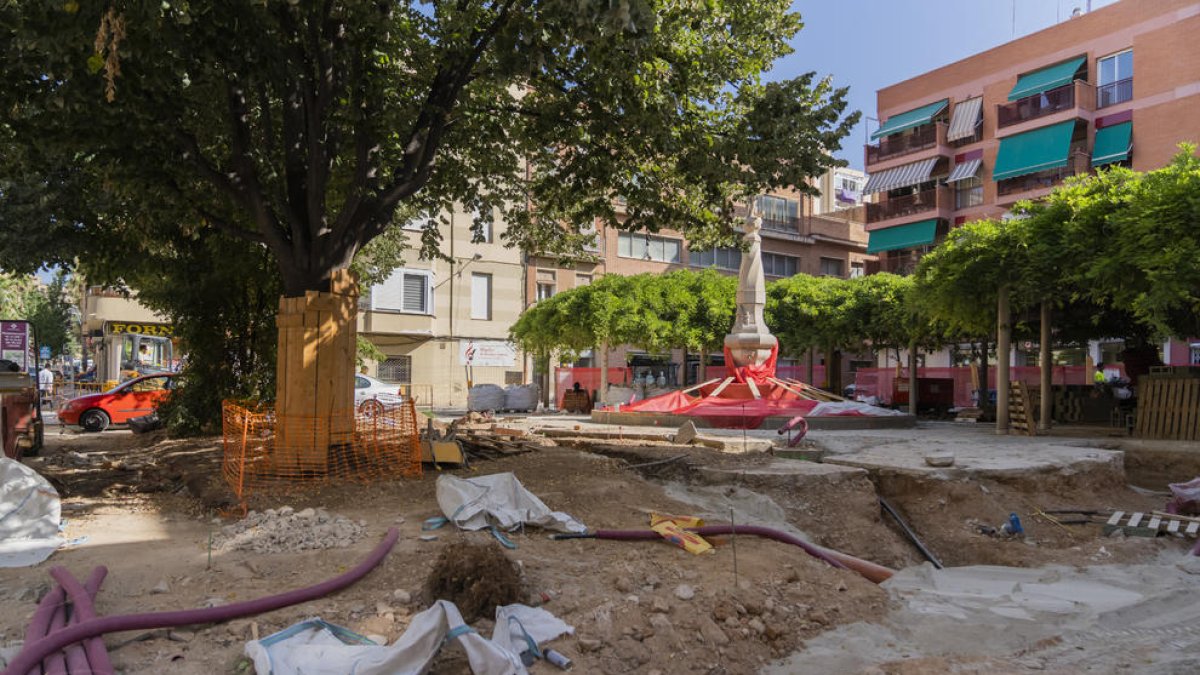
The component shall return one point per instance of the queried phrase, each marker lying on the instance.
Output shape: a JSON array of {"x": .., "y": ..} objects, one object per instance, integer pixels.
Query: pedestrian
[
  {"x": 1099, "y": 377},
  {"x": 46, "y": 382}
]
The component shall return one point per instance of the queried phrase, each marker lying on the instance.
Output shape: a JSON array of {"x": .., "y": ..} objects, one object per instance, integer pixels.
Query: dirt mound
[
  {"x": 477, "y": 578},
  {"x": 288, "y": 530}
]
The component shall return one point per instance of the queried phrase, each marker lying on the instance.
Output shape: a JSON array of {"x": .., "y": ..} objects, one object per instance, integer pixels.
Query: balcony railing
[
  {"x": 791, "y": 225},
  {"x": 1114, "y": 93},
  {"x": 1038, "y": 105},
  {"x": 925, "y": 136},
  {"x": 897, "y": 262},
  {"x": 1079, "y": 162},
  {"x": 908, "y": 205}
]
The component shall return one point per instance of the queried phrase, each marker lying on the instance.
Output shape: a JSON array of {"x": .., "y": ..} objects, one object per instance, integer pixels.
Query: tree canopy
[{"x": 310, "y": 128}]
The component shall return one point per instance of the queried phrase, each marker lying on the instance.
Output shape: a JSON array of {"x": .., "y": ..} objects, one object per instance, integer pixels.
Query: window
[
  {"x": 1115, "y": 79},
  {"x": 544, "y": 291},
  {"x": 419, "y": 222},
  {"x": 486, "y": 221},
  {"x": 361, "y": 382},
  {"x": 968, "y": 192},
  {"x": 776, "y": 265},
  {"x": 150, "y": 384},
  {"x": 1194, "y": 354},
  {"x": 481, "y": 296},
  {"x": 546, "y": 285},
  {"x": 583, "y": 279},
  {"x": 648, "y": 247},
  {"x": 409, "y": 291},
  {"x": 396, "y": 369},
  {"x": 857, "y": 269},
  {"x": 778, "y": 213},
  {"x": 721, "y": 258},
  {"x": 832, "y": 267}
]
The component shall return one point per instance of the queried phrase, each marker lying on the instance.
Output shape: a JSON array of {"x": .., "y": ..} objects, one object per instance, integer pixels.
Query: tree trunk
[
  {"x": 314, "y": 381},
  {"x": 702, "y": 371},
  {"x": 1046, "y": 371},
  {"x": 912, "y": 378},
  {"x": 1003, "y": 347},
  {"x": 603, "y": 363},
  {"x": 984, "y": 404}
]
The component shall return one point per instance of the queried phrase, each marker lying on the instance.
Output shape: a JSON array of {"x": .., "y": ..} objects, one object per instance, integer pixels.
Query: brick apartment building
[
  {"x": 966, "y": 141},
  {"x": 796, "y": 240}
]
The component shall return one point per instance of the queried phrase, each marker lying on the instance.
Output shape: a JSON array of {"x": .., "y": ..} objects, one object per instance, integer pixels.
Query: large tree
[{"x": 305, "y": 126}]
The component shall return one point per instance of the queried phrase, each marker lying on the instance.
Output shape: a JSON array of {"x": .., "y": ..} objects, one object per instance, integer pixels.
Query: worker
[{"x": 1099, "y": 377}]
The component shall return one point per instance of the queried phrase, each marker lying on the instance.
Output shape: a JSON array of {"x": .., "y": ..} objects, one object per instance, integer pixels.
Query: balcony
[
  {"x": 1114, "y": 93},
  {"x": 921, "y": 138},
  {"x": 926, "y": 201},
  {"x": 789, "y": 225},
  {"x": 897, "y": 262},
  {"x": 1041, "y": 105},
  {"x": 1078, "y": 162}
]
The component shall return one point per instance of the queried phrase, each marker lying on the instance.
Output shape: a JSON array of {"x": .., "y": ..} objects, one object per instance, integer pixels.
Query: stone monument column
[{"x": 750, "y": 342}]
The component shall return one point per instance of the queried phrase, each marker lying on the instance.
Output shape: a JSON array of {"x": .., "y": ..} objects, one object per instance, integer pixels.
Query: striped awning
[
  {"x": 965, "y": 170},
  {"x": 966, "y": 117},
  {"x": 901, "y": 176}
]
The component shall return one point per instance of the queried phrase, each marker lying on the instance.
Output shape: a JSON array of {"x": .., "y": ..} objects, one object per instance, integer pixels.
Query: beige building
[
  {"x": 122, "y": 337},
  {"x": 442, "y": 324}
]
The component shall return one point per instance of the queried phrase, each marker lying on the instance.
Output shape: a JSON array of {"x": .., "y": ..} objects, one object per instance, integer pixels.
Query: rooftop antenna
[{"x": 1014, "y": 19}]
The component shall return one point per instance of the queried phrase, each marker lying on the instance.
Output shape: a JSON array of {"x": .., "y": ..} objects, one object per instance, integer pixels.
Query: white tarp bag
[
  {"x": 30, "y": 512},
  {"x": 521, "y": 397},
  {"x": 497, "y": 500},
  {"x": 485, "y": 397},
  {"x": 315, "y": 647}
]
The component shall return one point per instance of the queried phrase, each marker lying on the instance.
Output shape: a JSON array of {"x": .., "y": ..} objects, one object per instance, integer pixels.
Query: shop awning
[
  {"x": 965, "y": 119},
  {"x": 964, "y": 171},
  {"x": 901, "y": 176},
  {"x": 1033, "y": 151},
  {"x": 1046, "y": 79},
  {"x": 1113, "y": 144},
  {"x": 907, "y": 120},
  {"x": 902, "y": 236}
]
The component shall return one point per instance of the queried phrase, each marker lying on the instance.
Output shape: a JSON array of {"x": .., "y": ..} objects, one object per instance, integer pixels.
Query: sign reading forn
[
  {"x": 484, "y": 353},
  {"x": 151, "y": 329}
]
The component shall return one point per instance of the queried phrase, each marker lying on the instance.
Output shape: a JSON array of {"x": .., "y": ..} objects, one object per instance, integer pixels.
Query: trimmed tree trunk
[
  {"x": 912, "y": 378},
  {"x": 1044, "y": 421},
  {"x": 603, "y": 363},
  {"x": 314, "y": 389},
  {"x": 1003, "y": 347}
]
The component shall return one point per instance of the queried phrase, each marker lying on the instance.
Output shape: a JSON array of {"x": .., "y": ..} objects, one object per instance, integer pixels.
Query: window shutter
[
  {"x": 481, "y": 296},
  {"x": 415, "y": 299}
]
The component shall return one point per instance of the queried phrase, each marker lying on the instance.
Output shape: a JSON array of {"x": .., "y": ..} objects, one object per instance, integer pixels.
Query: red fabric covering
[
  {"x": 727, "y": 413},
  {"x": 667, "y": 403},
  {"x": 757, "y": 373}
]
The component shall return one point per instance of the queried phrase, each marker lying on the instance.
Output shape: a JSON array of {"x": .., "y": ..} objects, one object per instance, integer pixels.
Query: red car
[{"x": 135, "y": 398}]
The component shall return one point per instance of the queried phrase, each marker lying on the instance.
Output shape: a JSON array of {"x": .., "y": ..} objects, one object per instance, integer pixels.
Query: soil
[{"x": 150, "y": 506}]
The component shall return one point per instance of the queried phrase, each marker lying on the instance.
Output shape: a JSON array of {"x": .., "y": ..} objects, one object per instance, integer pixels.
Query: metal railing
[
  {"x": 782, "y": 224},
  {"x": 420, "y": 394},
  {"x": 1038, "y": 105},
  {"x": 920, "y": 138},
  {"x": 1077, "y": 163},
  {"x": 898, "y": 207},
  {"x": 1114, "y": 93},
  {"x": 903, "y": 263}
]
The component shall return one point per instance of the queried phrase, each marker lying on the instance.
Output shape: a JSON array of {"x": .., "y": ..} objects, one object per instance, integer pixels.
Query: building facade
[
  {"x": 1120, "y": 85},
  {"x": 122, "y": 338}
]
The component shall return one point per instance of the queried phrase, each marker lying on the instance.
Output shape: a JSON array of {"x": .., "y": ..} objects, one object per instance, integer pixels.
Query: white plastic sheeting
[
  {"x": 497, "y": 500},
  {"x": 315, "y": 647},
  {"x": 850, "y": 408},
  {"x": 484, "y": 397},
  {"x": 522, "y": 397},
  {"x": 29, "y": 515}
]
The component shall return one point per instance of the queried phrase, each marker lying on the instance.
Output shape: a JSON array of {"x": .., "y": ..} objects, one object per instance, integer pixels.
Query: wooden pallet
[
  {"x": 1140, "y": 524},
  {"x": 1020, "y": 409},
  {"x": 1169, "y": 406}
]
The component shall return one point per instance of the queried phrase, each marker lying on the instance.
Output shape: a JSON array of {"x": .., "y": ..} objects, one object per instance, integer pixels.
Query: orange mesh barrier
[{"x": 267, "y": 452}]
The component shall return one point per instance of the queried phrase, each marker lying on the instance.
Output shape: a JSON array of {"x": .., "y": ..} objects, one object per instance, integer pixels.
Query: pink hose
[
  {"x": 33, "y": 653},
  {"x": 92, "y": 656}
]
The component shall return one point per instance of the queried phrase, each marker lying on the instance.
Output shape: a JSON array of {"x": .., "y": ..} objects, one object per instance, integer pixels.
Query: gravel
[{"x": 286, "y": 530}]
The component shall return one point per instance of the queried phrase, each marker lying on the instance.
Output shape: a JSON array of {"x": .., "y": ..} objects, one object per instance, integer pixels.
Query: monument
[{"x": 751, "y": 394}]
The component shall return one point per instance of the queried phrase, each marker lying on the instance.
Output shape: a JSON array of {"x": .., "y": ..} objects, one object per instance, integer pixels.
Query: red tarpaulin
[{"x": 759, "y": 374}]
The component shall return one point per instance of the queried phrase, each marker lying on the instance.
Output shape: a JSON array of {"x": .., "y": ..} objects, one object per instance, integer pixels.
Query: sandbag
[
  {"x": 30, "y": 512},
  {"x": 497, "y": 500}
]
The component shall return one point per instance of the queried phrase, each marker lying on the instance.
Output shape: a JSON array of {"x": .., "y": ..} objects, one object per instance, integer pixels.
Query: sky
[{"x": 870, "y": 44}]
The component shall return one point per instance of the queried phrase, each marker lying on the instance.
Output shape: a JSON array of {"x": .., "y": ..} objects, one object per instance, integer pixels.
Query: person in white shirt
[{"x": 46, "y": 382}]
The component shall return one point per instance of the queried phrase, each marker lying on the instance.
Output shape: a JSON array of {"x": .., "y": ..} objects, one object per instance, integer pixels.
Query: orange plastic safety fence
[{"x": 268, "y": 452}]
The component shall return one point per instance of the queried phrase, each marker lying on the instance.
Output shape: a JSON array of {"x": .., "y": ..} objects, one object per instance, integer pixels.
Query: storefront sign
[
  {"x": 496, "y": 353},
  {"x": 16, "y": 343},
  {"x": 151, "y": 329}
]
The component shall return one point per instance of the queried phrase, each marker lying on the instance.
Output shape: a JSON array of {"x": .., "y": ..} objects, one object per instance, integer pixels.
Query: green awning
[
  {"x": 1046, "y": 79},
  {"x": 902, "y": 236},
  {"x": 1113, "y": 144},
  {"x": 907, "y": 120},
  {"x": 1033, "y": 151}
]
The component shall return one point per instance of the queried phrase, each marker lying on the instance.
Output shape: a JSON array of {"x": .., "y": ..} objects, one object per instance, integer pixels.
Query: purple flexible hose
[
  {"x": 56, "y": 663},
  {"x": 710, "y": 530},
  {"x": 39, "y": 625},
  {"x": 33, "y": 653},
  {"x": 91, "y": 656}
]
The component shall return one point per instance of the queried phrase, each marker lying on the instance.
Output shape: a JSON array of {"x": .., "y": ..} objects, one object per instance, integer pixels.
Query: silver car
[{"x": 372, "y": 396}]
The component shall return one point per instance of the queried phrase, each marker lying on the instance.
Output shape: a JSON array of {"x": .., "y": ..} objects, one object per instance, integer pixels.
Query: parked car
[
  {"x": 135, "y": 398},
  {"x": 373, "y": 396}
]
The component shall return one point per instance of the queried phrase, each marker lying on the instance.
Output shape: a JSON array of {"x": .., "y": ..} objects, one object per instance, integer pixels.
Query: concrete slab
[
  {"x": 977, "y": 454},
  {"x": 781, "y": 474}
]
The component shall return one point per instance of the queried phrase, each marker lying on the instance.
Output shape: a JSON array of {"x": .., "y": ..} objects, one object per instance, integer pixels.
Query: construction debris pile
[{"x": 286, "y": 530}]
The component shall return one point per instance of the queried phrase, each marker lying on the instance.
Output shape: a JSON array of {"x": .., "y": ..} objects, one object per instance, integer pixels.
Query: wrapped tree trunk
[
  {"x": 1003, "y": 344},
  {"x": 314, "y": 389},
  {"x": 1046, "y": 371}
]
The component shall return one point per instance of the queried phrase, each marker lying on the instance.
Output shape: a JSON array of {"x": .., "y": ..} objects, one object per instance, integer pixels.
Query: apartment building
[
  {"x": 795, "y": 240},
  {"x": 966, "y": 141},
  {"x": 444, "y": 324},
  {"x": 1120, "y": 85}
]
